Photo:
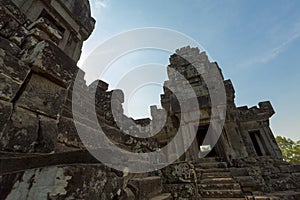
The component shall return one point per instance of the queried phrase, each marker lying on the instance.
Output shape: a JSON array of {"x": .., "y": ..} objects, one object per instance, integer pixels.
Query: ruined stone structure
[{"x": 42, "y": 156}]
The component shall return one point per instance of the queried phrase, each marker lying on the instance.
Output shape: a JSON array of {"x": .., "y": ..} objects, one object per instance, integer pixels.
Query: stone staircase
[{"x": 215, "y": 180}]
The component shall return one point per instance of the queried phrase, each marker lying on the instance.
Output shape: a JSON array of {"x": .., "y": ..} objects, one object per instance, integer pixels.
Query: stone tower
[
  {"x": 246, "y": 131},
  {"x": 42, "y": 156}
]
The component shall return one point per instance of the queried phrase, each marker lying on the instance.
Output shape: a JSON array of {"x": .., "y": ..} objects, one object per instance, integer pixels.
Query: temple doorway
[{"x": 205, "y": 147}]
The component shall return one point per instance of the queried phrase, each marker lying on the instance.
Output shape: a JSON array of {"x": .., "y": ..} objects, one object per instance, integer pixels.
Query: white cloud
[
  {"x": 276, "y": 51},
  {"x": 100, "y": 4},
  {"x": 273, "y": 53}
]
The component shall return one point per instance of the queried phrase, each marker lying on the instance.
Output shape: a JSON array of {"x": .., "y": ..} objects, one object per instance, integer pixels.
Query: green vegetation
[{"x": 290, "y": 149}]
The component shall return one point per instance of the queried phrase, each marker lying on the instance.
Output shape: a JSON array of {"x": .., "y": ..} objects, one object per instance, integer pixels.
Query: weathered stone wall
[
  {"x": 38, "y": 139},
  {"x": 269, "y": 174},
  {"x": 62, "y": 182},
  {"x": 66, "y": 23},
  {"x": 36, "y": 90},
  {"x": 180, "y": 180}
]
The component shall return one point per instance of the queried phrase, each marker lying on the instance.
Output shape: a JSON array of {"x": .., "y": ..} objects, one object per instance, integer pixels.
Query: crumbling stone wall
[
  {"x": 267, "y": 174},
  {"x": 36, "y": 89},
  {"x": 38, "y": 137}
]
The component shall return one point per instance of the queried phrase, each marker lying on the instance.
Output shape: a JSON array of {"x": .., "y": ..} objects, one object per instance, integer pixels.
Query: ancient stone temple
[{"x": 43, "y": 157}]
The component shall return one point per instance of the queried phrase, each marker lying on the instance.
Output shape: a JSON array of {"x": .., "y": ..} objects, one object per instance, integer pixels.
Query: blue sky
[{"x": 256, "y": 44}]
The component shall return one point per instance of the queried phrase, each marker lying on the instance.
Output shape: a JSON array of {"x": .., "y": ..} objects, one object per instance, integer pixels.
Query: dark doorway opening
[
  {"x": 202, "y": 133},
  {"x": 258, "y": 143},
  {"x": 255, "y": 144}
]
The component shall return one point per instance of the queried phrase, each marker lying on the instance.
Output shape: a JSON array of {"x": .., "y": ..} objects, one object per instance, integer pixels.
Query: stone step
[
  {"x": 218, "y": 198},
  {"x": 221, "y": 193},
  {"x": 165, "y": 196},
  {"x": 211, "y": 170},
  {"x": 216, "y": 175},
  {"x": 146, "y": 187},
  {"x": 220, "y": 186},
  {"x": 217, "y": 180},
  {"x": 278, "y": 195},
  {"x": 210, "y": 165},
  {"x": 212, "y": 173},
  {"x": 211, "y": 159},
  {"x": 262, "y": 198}
]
